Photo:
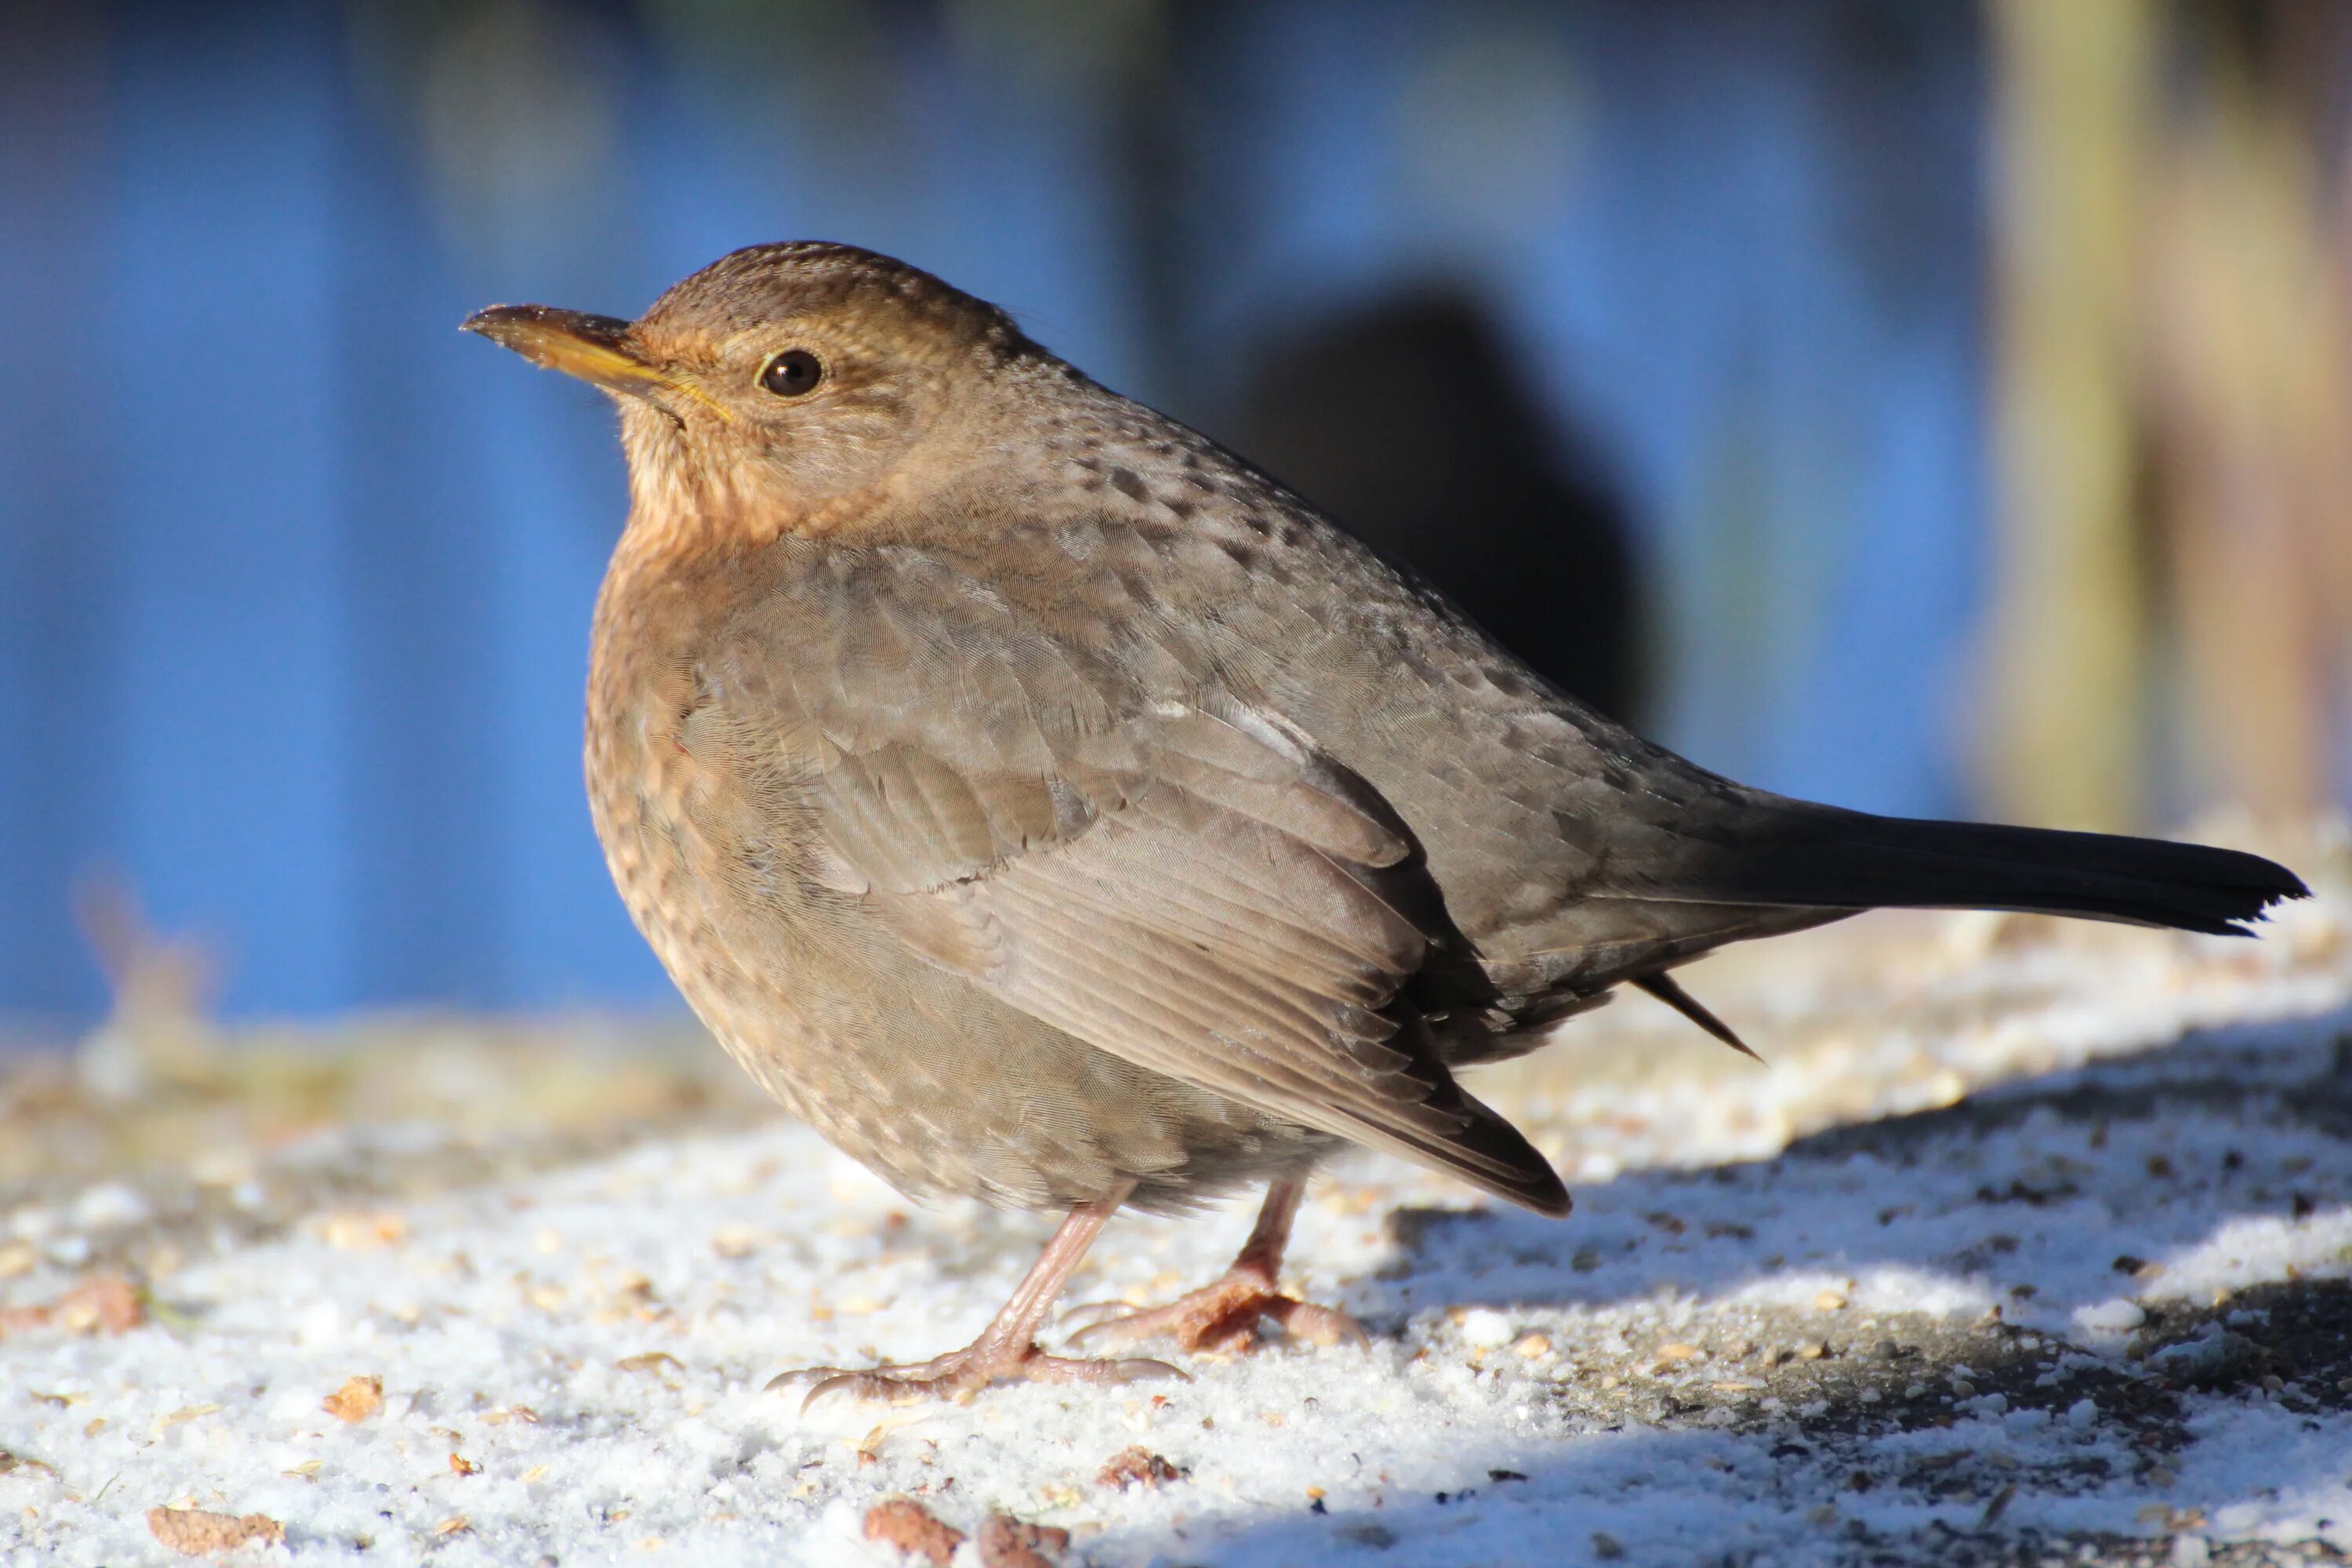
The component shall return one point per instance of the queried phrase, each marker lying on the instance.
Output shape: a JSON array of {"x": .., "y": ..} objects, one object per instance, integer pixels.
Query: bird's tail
[{"x": 1795, "y": 855}]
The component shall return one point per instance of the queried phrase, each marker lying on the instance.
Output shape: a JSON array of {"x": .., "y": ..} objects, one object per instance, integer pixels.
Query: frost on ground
[{"x": 2032, "y": 1245}]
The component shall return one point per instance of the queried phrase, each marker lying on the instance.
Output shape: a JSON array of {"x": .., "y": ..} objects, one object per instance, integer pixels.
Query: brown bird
[{"x": 1051, "y": 808}]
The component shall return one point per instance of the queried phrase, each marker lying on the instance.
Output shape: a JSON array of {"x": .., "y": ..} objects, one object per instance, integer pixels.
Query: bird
[{"x": 1051, "y": 808}]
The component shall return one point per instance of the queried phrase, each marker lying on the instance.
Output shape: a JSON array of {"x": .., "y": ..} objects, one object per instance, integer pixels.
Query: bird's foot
[
  {"x": 957, "y": 1375},
  {"x": 1221, "y": 1316}
]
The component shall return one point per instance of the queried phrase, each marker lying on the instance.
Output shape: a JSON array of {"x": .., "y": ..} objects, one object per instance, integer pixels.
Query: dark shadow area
[
  {"x": 1406, "y": 421},
  {"x": 2054, "y": 1195},
  {"x": 1933, "y": 1190}
]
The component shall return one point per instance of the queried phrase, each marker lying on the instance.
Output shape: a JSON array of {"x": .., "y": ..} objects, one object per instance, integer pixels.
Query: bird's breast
[{"x": 650, "y": 793}]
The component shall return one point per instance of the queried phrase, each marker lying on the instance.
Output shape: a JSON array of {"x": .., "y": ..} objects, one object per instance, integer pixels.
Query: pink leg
[
  {"x": 1006, "y": 1348},
  {"x": 1223, "y": 1315}
]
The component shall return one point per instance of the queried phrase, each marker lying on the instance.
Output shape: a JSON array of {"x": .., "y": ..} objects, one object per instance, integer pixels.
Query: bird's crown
[{"x": 762, "y": 283}]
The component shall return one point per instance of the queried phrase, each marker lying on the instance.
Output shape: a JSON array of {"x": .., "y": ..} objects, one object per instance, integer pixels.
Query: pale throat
[{"x": 681, "y": 506}]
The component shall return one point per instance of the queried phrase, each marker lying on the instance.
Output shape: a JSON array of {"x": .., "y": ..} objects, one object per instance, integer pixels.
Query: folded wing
[{"x": 1141, "y": 860}]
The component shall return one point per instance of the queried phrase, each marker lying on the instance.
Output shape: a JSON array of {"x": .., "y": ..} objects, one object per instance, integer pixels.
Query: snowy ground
[{"x": 2032, "y": 1245}]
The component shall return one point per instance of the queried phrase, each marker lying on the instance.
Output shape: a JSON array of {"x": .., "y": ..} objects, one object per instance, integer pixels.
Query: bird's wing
[{"x": 1089, "y": 832}]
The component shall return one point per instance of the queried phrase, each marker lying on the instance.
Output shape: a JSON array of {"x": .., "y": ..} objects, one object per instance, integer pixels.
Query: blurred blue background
[{"x": 295, "y": 579}]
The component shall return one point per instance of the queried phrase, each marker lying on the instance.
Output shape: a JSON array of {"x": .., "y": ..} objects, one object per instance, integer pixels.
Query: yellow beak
[{"x": 600, "y": 350}]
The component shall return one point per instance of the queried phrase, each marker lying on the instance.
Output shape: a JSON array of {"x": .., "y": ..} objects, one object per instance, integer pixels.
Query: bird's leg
[
  {"x": 1223, "y": 1315},
  {"x": 1007, "y": 1347}
]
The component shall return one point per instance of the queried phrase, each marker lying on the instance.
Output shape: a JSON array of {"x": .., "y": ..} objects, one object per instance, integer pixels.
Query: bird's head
[{"x": 780, "y": 378}]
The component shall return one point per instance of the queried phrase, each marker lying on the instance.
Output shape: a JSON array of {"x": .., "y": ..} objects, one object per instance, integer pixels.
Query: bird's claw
[
  {"x": 1100, "y": 1374},
  {"x": 1089, "y": 1314},
  {"x": 956, "y": 1377},
  {"x": 1223, "y": 1316}
]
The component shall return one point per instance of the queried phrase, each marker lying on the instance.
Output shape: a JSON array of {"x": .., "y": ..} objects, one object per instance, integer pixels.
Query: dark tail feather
[
  {"x": 1669, "y": 990},
  {"x": 1812, "y": 857}
]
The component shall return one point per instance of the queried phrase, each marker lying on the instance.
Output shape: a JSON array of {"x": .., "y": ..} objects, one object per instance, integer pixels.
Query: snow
[{"x": 2029, "y": 1236}]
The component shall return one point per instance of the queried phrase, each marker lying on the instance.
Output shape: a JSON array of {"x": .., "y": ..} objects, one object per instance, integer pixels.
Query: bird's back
[{"x": 1533, "y": 815}]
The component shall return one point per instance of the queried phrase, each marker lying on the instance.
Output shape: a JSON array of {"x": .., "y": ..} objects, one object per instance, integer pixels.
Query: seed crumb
[{"x": 1136, "y": 1465}]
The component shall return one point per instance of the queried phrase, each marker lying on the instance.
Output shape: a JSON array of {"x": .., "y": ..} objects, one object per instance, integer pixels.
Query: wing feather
[{"x": 1173, "y": 875}]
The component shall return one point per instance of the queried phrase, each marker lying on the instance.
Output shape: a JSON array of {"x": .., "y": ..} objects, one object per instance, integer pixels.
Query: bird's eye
[{"x": 792, "y": 373}]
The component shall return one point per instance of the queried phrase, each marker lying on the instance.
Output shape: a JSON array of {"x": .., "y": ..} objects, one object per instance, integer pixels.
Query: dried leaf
[
  {"x": 359, "y": 1398},
  {"x": 10, "y": 1462},
  {"x": 913, "y": 1529},
  {"x": 109, "y": 1304},
  {"x": 194, "y": 1532},
  {"x": 1008, "y": 1542},
  {"x": 363, "y": 1232}
]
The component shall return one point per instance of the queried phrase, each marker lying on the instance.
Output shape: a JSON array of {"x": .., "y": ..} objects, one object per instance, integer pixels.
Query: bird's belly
[{"x": 918, "y": 1073}]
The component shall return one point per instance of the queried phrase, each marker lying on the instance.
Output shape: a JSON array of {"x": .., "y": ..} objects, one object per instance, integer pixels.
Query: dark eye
[{"x": 792, "y": 373}]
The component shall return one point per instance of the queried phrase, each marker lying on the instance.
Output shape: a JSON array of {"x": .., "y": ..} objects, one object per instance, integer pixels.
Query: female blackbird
[{"x": 1051, "y": 808}]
